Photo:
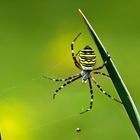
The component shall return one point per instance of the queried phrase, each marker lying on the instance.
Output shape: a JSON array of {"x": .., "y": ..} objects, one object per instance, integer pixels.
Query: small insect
[
  {"x": 86, "y": 63},
  {"x": 78, "y": 130}
]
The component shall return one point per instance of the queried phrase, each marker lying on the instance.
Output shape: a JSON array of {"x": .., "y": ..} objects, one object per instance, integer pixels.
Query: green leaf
[{"x": 117, "y": 80}]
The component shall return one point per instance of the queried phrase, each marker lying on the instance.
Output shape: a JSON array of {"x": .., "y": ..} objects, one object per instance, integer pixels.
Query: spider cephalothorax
[{"x": 86, "y": 63}]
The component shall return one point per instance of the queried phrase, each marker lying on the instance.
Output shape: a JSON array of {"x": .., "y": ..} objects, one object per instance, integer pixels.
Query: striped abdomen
[{"x": 87, "y": 58}]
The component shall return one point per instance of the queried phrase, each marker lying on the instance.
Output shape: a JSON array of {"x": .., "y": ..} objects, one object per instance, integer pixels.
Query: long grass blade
[{"x": 117, "y": 80}]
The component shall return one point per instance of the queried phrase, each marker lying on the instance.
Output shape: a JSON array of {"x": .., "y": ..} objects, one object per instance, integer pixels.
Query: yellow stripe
[
  {"x": 82, "y": 62},
  {"x": 86, "y": 55},
  {"x": 82, "y": 59},
  {"x": 89, "y": 62},
  {"x": 85, "y": 62}
]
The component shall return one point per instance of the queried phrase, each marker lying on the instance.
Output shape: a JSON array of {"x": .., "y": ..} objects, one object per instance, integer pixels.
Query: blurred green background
[{"x": 35, "y": 39}]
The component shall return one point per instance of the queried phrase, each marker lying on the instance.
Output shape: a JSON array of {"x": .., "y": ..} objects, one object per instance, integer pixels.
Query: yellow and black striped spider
[{"x": 86, "y": 63}]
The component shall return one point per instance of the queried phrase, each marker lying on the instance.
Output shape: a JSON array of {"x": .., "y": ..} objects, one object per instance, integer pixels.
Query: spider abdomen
[{"x": 87, "y": 58}]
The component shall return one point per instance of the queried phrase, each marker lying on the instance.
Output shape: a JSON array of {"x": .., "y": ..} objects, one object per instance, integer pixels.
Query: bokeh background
[{"x": 35, "y": 39}]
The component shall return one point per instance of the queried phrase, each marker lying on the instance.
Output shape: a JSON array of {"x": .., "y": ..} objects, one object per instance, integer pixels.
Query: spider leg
[
  {"x": 72, "y": 51},
  {"x": 60, "y": 80},
  {"x": 105, "y": 62},
  {"x": 91, "y": 99},
  {"x": 103, "y": 91},
  {"x": 65, "y": 84},
  {"x": 103, "y": 74},
  {"x": 77, "y": 53}
]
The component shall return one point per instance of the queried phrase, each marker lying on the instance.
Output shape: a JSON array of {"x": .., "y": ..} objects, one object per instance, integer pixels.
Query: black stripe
[
  {"x": 98, "y": 86},
  {"x": 87, "y": 65},
  {"x": 68, "y": 82},
  {"x": 87, "y": 52},
  {"x": 109, "y": 95}
]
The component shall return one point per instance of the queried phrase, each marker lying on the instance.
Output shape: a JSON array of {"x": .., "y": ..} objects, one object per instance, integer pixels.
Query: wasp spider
[{"x": 86, "y": 63}]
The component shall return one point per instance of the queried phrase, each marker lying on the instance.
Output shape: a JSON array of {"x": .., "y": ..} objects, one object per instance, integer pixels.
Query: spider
[{"x": 86, "y": 63}]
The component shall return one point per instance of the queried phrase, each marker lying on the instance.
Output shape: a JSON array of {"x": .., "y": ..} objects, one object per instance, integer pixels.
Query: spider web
[
  {"x": 4, "y": 94},
  {"x": 73, "y": 117}
]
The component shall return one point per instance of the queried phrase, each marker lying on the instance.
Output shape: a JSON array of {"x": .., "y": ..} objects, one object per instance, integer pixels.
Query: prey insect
[{"x": 86, "y": 63}]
